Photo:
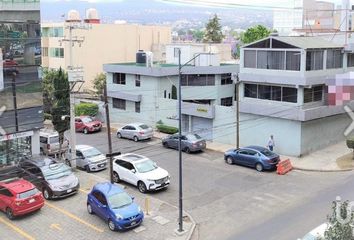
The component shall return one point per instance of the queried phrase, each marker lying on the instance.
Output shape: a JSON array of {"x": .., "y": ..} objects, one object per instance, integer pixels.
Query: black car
[{"x": 53, "y": 178}]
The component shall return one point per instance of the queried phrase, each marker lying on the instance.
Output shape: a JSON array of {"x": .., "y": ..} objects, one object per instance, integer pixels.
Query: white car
[
  {"x": 139, "y": 171},
  {"x": 316, "y": 233},
  {"x": 136, "y": 132},
  {"x": 90, "y": 159}
]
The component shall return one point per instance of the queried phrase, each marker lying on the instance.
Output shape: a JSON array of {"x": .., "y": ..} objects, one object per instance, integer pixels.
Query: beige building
[{"x": 102, "y": 43}]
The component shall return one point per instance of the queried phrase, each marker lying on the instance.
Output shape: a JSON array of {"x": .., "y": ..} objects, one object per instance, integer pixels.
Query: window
[
  {"x": 198, "y": 80},
  {"x": 165, "y": 94},
  {"x": 137, "y": 80},
  {"x": 5, "y": 192},
  {"x": 313, "y": 94},
  {"x": 43, "y": 140},
  {"x": 118, "y": 103},
  {"x": 334, "y": 58},
  {"x": 289, "y": 95},
  {"x": 293, "y": 61},
  {"x": 44, "y": 52},
  {"x": 264, "y": 92},
  {"x": 226, "y": 79},
  {"x": 350, "y": 60},
  {"x": 251, "y": 90},
  {"x": 314, "y": 60},
  {"x": 275, "y": 93},
  {"x": 119, "y": 78},
  {"x": 270, "y": 59},
  {"x": 176, "y": 52},
  {"x": 226, "y": 101},
  {"x": 250, "y": 59},
  {"x": 137, "y": 107},
  {"x": 100, "y": 197},
  {"x": 56, "y": 52}
]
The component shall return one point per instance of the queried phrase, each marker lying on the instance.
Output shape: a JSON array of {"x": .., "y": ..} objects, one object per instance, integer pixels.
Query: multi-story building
[
  {"x": 148, "y": 93},
  {"x": 284, "y": 91},
  {"x": 21, "y": 104},
  {"x": 103, "y": 43}
]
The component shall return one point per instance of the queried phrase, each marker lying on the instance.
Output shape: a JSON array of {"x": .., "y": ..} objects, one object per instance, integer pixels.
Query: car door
[
  {"x": 174, "y": 141},
  {"x": 241, "y": 157},
  {"x": 253, "y": 157},
  {"x": 132, "y": 132},
  {"x": 99, "y": 204},
  {"x": 131, "y": 174},
  {"x": 125, "y": 131},
  {"x": 5, "y": 198},
  {"x": 80, "y": 160},
  {"x": 120, "y": 167}
]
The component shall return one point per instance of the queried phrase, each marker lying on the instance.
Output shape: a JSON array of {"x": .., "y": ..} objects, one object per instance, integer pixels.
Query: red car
[
  {"x": 19, "y": 197},
  {"x": 10, "y": 66},
  {"x": 87, "y": 124}
]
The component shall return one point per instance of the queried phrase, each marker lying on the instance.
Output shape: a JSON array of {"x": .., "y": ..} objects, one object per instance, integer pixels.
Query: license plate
[
  {"x": 132, "y": 223},
  {"x": 32, "y": 200},
  {"x": 69, "y": 190}
]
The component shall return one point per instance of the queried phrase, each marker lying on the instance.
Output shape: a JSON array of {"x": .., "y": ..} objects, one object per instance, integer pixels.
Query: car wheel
[
  {"x": 116, "y": 178},
  {"x": 46, "y": 194},
  {"x": 89, "y": 209},
  {"x": 119, "y": 135},
  {"x": 229, "y": 161},
  {"x": 135, "y": 139},
  {"x": 111, "y": 225},
  {"x": 259, "y": 167},
  {"x": 187, "y": 150},
  {"x": 86, "y": 131},
  {"x": 9, "y": 213},
  {"x": 141, "y": 187},
  {"x": 87, "y": 169}
]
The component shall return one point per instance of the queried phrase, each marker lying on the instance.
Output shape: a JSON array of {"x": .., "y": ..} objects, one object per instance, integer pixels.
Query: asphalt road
[{"x": 234, "y": 202}]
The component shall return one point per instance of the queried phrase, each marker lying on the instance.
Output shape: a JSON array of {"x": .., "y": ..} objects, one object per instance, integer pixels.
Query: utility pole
[
  {"x": 73, "y": 80},
  {"x": 237, "y": 112},
  {"x": 109, "y": 137}
]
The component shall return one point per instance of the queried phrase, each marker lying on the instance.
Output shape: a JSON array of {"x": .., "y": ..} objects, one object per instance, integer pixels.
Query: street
[{"x": 233, "y": 201}]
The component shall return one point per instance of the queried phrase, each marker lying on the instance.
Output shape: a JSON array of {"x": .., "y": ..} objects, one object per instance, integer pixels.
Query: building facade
[
  {"x": 284, "y": 91},
  {"x": 140, "y": 93},
  {"x": 103, "y": 43},
  {"x": 21, "y": 104}
]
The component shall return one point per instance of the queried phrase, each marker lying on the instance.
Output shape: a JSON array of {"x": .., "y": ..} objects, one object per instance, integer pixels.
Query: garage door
[{"x": 203, "y": 127}]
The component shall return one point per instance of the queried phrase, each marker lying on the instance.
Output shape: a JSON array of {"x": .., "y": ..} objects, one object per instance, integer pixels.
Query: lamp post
[{"x": 180, "y": 207}]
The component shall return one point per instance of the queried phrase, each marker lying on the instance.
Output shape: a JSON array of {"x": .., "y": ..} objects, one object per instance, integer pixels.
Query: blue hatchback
[
  {"x": 115, "y": 206},
  {"x": 252, "y": 156}
]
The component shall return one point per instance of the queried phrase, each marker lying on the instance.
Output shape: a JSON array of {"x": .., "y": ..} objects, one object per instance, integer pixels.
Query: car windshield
[
  {"x": 54, "y": 139},
  {"x": 91, "y": 152},
  {"x": 145, "y": 166},
  {"x": 55, "y": 171},
  {"x": 309, "y": 236},
  {"x": 144, "y": 126},
  {"x": 119, "y": 200},
  {"x": 193, "y": 137},
  {"x": 267, "y": 153},
  {"x": 27, "y": 194},
  {"x": 86, "y": 119}
]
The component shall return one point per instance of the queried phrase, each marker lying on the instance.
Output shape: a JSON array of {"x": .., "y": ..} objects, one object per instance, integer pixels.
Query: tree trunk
[{"x": 61, "y": 138}]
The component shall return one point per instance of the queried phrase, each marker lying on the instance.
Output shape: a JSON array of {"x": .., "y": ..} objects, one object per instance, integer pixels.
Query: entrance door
[{"x": 203, "y": 127}]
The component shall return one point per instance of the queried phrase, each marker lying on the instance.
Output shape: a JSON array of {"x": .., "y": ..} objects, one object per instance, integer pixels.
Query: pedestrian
[{"x": 271, "y": 143}]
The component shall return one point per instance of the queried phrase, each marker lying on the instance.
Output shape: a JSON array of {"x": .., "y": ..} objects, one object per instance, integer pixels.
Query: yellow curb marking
[
  {"x": 17, "y": 229},
  {"x": 78, "y": 219},
  {"x": 83, "y": 190},
  {"x": 55, "y": 226}
]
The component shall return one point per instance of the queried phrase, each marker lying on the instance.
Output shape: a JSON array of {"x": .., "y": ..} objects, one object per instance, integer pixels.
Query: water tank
[
  {"x": 141, "y": 57},
  {"x": 91, "y": 13},
  {"x": 73, "y": 16}
]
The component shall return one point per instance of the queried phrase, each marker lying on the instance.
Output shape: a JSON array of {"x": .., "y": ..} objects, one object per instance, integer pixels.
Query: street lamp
[{"x": 180, "y": 207}]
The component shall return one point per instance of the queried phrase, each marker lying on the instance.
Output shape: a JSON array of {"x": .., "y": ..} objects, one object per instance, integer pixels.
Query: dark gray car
[{"x": 189, "y": 142}]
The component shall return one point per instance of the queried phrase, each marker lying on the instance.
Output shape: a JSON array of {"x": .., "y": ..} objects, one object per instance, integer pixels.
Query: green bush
[
  {"x": 350, "y": 142},
  {"x": 47, "y": 116},
  {"x": 89, "y": 109},
  {"x": 166, "y": 129}
]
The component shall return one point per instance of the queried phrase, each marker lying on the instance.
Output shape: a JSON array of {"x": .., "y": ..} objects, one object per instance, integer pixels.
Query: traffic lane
[{"x": 9, "y": 231}]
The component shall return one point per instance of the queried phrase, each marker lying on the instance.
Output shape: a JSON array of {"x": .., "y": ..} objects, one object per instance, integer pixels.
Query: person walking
[{"x": 271, "y": 143}]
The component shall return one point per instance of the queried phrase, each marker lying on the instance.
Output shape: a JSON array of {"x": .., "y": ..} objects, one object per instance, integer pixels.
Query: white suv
[{"x": 139, "y": 171}]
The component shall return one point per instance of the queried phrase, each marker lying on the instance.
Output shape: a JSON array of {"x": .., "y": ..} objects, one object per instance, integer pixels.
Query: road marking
[
  {"x": 17, "y": 229},
  {"x": 78, "y": 219},
  {"x": 84, "y": 191},
  {"x": 55, "y": 226}
]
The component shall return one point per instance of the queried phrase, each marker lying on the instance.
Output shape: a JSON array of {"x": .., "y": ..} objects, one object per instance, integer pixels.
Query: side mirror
[
  {"x": 133, "y": 198},
  {"x": 133, "y": 171}
]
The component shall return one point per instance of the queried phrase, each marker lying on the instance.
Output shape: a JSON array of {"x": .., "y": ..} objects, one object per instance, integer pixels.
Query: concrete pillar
[{"x": 35, "y": 146}]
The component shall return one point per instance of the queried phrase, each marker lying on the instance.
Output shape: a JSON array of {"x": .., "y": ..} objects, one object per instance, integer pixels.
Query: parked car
[
  {"x": 113, "y": 205},
  {"x": 189, "y": 142},
  {"x": 49, "y": 142},
  {"x": 19, "y": 197},
  {"x": 89, "y": 158},
  {"x": 253, "y": 156},
  {"x": 54, "y": 179},
  {"x": 135, "y": 131},
  {"x": 139, "y": 171},
  {"x": 10, "y": 66},
  {"x": 87, "y": 124},
  {"x": 316, "y": 233}
]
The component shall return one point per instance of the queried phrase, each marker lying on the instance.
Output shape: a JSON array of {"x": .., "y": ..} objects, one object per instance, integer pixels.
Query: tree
[
  {"x": 198, "y": 35},
  {"x": 340, "y": 222},
  {"x": 61, "y": 104},
  {"x": 213, "y": 31},
  {"x": 255, "y": 33},
  {"x": 48, "y": 89},
  {"x": 99, "y": 84}
]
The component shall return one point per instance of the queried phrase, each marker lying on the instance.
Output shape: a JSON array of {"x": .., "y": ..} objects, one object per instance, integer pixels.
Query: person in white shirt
[{"x": 271, "y": 143}]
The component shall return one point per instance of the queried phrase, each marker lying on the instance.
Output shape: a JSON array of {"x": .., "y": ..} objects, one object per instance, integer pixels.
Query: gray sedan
[
  {"x": 189, "y": 142},
  {"x": 136, "y": 131}
]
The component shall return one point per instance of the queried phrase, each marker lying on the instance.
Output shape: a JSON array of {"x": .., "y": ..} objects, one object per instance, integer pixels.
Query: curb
[
  {"x": 194, "y": 224},
  {"x": 322, "y": 170}
]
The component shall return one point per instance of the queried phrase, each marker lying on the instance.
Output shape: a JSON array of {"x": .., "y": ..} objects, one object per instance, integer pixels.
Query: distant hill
[{"x": 157, "y": 12}]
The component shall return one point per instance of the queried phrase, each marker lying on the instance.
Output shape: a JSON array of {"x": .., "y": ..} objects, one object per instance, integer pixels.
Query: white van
[{"x": 49, "y": 142}]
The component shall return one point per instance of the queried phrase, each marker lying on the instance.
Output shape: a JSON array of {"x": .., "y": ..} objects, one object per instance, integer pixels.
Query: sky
[{"x": 259, "y": 3}]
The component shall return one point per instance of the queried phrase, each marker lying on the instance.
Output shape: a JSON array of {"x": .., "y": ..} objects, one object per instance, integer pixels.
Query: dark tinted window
[
  {"x": 289, "y": 94},
  {"x": 100, "y": 197},
  {"x": 5, "y": 192},
  {"x": 251, "y": 90}
]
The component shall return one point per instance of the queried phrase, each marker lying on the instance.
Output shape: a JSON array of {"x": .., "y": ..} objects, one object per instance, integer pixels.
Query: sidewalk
[{"x": 337, "y": 157}]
